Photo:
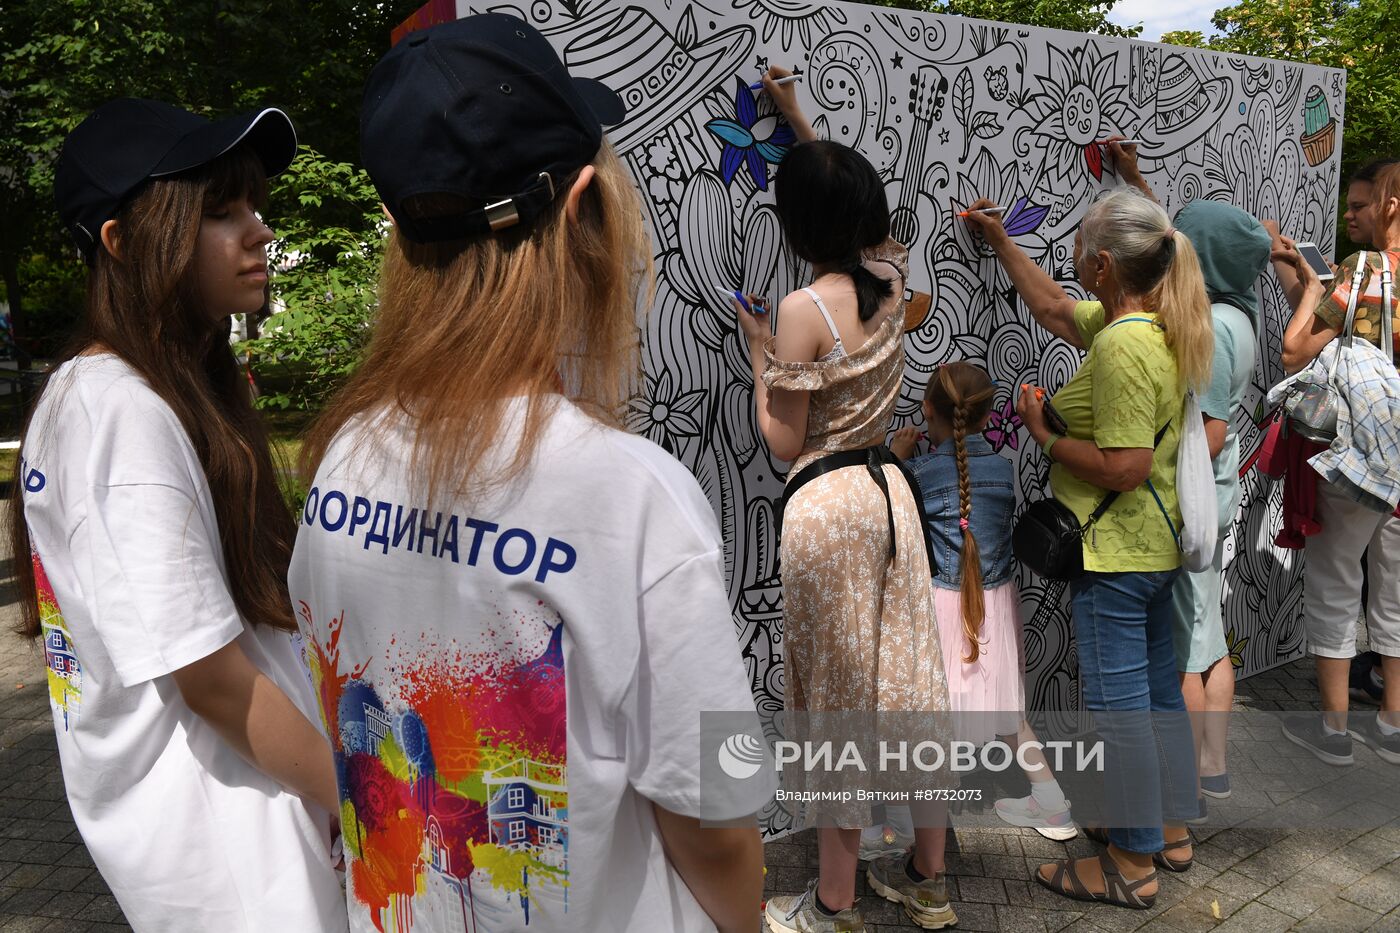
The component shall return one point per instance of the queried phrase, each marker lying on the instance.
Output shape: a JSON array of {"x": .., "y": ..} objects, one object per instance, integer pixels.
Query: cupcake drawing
[{"x": 1319, "y": 128}]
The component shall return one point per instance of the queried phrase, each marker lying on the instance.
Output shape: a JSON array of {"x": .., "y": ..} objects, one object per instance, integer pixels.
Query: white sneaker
[
  {"x": 876, "y": 842},
  {"x": 1027, "y": 811}
]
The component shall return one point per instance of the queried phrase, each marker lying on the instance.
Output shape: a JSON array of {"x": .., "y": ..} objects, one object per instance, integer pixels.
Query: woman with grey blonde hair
[{"x": 1149, "y": 339}]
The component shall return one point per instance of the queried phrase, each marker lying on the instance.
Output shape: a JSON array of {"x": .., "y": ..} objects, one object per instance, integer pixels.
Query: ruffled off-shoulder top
[{"x": 853, "y": 396}]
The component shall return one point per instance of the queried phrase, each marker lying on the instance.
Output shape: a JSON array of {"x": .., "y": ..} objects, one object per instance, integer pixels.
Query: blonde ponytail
[{"x": 1181, "y": 302}]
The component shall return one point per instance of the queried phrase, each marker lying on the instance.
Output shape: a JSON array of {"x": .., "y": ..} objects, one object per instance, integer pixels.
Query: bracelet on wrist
[{"x": 1047, "y": 444}]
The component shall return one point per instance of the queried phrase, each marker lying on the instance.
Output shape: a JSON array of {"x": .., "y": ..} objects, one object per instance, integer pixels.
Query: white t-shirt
[
  {"x": 132, "y": 587},
  {"x": 509, "y": 684}
]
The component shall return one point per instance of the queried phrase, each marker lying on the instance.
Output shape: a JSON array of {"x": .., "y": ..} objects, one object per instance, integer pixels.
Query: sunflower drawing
[
  {"x": 808, "y": 21},
  {"x": 1077, "y": 108}
]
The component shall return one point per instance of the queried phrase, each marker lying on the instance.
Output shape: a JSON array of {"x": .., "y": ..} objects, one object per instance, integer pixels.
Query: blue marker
[
  {"x": 758, "y": 85},
  {"x": 739, "y": 297}
]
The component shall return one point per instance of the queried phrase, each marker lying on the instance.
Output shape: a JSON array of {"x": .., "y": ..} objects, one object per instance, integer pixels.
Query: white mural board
[{"x": 948, "y": 109}]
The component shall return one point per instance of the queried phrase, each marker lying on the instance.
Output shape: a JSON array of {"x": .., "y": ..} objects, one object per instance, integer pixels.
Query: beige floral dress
[{"x": 858, "y": 628}]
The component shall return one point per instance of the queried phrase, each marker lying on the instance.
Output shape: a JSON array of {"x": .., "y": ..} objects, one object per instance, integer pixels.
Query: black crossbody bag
[{"x": 1049, "y": 539}]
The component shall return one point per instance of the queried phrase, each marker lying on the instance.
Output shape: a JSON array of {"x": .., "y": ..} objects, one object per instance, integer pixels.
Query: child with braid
[{"x": 971, "y": 502}]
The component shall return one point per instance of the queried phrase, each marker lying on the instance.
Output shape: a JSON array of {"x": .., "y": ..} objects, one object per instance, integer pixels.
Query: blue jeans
[{"x": 1127, "y": 669}]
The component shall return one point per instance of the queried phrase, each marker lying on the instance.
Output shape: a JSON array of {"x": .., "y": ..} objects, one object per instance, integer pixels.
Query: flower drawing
[
  {"x": 808, "y": 22},
  {"x": 665, "y": 416},
  {"x": 749, "y": 139},
  {"x": 1077, "y": 108},
  {"x": 1001, "y": 184},
  {"x": 1003, "y": 426}
]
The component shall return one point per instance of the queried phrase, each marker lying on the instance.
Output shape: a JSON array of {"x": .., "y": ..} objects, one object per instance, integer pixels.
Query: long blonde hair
[
  {"x": 1157, "y": 262},
  {"x": 464, "y": 325},
  {"x": 961, "y": 394}
]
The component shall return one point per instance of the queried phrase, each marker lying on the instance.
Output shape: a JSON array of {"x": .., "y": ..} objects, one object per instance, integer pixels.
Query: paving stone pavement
[{"x": 1257, "y": 879}]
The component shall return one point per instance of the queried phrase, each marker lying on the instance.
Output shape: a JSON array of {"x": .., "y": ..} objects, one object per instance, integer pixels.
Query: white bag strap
[
  {"x": 1352, "y": 298},
  {"x": 1387, "y": 340}
]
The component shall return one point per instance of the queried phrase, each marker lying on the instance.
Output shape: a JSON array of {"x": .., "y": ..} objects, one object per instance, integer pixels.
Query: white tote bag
[{"x": 1195, "y": 490}]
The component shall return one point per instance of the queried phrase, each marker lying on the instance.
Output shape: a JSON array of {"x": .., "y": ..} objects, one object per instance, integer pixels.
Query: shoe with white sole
[
  {"x": 1216, "y": 785},
  {"x": 1368, "y": 730},
  {"x": 1027, "y": 811},
  {"x": 926, "y": 902},
  {"x": 798, "y": 913}
]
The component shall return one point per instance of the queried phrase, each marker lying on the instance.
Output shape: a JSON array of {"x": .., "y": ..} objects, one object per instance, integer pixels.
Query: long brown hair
[
  {"x": 961, "y": 394},
  {"x": 465, "y": 324},
  {"x": 146, "y": 310}
]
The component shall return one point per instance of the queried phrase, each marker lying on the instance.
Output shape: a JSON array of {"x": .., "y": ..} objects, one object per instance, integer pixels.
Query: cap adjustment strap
[{"x": 504, "y": 214}]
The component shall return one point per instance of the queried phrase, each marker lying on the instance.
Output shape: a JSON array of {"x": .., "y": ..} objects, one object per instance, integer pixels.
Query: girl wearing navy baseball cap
[
  {"x": 518, "y": 610},
  {"x": 151, "y": 541}
]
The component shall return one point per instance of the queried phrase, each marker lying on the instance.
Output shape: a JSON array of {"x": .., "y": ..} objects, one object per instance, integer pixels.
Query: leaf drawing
[
  {"x": 686, "y": 33},
  {"x": 962, "y": 97},
  {"x": 985, "y": 125}
]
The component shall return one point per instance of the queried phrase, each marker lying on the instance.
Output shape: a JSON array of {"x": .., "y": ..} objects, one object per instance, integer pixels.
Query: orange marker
[{"x": 983, "y": 210}]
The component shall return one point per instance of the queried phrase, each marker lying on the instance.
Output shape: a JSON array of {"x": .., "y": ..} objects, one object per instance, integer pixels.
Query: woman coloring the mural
[
  {"x": 518, "y": 610},
  {"x": 857, "y": 602},
  {"x": 160, "y": 542}
]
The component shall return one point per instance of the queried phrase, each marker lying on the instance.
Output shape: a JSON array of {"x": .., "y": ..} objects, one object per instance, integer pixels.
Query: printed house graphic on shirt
[
  {"x": 65, "y": 673},
  {"x": 525, "y": 809},
  {"x": 455, "y": 793}
]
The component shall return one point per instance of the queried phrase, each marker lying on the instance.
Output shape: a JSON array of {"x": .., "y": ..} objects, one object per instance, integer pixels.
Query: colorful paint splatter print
[
  {"x": 453, "y": 780},
  {"x": 65, "y": 674}
]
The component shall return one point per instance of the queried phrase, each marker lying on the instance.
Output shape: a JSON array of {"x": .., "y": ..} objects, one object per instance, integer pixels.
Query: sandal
[
  {"x": 1118, "y": 890},
  {"x": 1176, "y": 864}
]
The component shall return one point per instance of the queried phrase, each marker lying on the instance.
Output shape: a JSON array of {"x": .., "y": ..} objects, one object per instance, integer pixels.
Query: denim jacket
[{"x": 993, "y": 508}]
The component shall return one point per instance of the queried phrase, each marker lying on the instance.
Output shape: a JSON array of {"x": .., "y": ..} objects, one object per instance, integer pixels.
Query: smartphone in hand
[
  {"x": 1053, "y": 419},
  {"x": 1313, "y": 256}
]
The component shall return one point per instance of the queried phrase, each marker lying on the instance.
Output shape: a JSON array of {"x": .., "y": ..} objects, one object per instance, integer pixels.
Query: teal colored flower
[{"x": 754, "y": 142}]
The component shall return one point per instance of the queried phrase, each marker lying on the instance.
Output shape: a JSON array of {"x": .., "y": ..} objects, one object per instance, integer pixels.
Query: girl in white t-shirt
[
  {"x": 516, "y": 611},
  {"x": 159, "y": 540}
]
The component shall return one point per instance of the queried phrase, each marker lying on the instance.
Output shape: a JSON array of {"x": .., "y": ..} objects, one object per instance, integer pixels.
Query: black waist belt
[{"x": 874, "y": 458}]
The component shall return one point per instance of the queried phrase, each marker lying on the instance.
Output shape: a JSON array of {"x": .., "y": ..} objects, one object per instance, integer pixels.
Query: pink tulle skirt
[{"x": 987, "y": 696}]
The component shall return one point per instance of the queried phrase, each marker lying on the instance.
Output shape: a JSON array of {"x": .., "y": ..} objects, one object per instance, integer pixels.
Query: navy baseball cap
[
  {"x": 126, "y": 142},
  {"x": 480, "y": 108}
]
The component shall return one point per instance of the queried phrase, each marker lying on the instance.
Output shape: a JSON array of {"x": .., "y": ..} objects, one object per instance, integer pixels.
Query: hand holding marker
[
  {"x": 756, "y": 308},
  {"x": 983, "y": 210},
  {"x": 758, "y": 85}
]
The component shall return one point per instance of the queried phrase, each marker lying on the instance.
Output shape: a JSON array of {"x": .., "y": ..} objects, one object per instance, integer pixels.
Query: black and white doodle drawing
[{"x": 948, "y": 110}]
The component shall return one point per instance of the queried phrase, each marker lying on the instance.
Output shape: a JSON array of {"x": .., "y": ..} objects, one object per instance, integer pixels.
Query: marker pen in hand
[
  {"x": 758, "y": 85},
  {"x": 738, "y": 296},
  {"x": 983, "y": 210}
]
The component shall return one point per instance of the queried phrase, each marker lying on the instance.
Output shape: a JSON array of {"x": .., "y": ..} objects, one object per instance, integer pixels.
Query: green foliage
[
  {"x": 330, "y": 236},
  {"x": 53, "y": 297},
  {"x": 59, "y": 59},
  {"x": 1189, "y": 37}
]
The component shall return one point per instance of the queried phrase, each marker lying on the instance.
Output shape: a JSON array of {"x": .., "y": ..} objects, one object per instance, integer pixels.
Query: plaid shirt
[{"x": 1364, "y": 460}]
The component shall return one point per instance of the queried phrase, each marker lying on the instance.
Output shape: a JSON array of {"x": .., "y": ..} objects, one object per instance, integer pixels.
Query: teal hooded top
[{"x": 1233, "y": 249}]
